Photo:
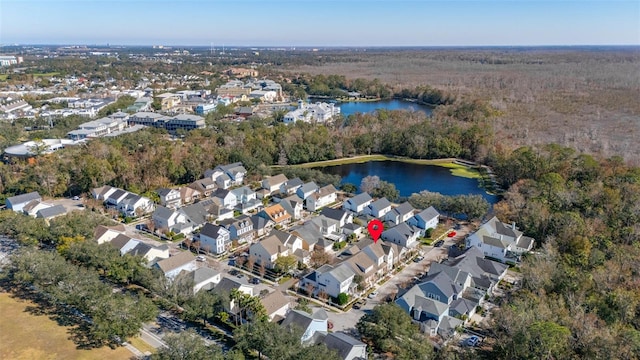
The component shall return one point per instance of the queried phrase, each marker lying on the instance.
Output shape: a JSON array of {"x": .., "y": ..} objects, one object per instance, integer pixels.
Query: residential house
[
  {"x": 115, "y": 197},
  {"x": 473, "y": 262},
  {"x": 51, "y": 212},
  {"x": 247, "y": 199},
  {"x": 426, "y": 219},
  {"x": 166, "y": 219},
  {"x": 319, "y": 233},
  {"x": 197, "y": 214},
  {"x": 306, "y": 190},
  {"x": 402, "y": 234},
  {"x": 219, "y": 211},
  {"x": 500, "y": 241},
  {"x": 236, "y": 172},
  {"x": 323, "y": 197},
  {"x": 102, "y": 192},
  {"x": 104, "y": 234},
  {"x": 32, "y": 208},
  {"x": 379, "y": 208},
  {"x": 240, "y": 229},
  {"x": 290, "y": 186},
  {"x": 227, "y": 198},
  {"x": 400, "y": 214},
  {"x": 170, "y": 198},
  {"x": 214, "y": 239},
  {"x": 135, "y": 205},
  {"x": 149, "y": 252},
  {"x": 204, "y": 186},
  {"x": 308, "y": 323},
  {"x": 347, "y": 347},
  {"x": 261, "y": 225},
  {"x": 342, "y": 217},
  {"x": 384, "y": 260},
  {"x": 124, "y": 243},
  {"x": 226, "y": 286},
  {"x": 273, "y": 183},
  {"x": 276, "y": 304},
  {"x": 171, "y": 267},
  {"x": 16, "y": 203},
  {"x": 358, "y": 203},
  {"x": 364, "y": 266},
  {"x": 277, "y": 214},
  {"x": 331, "y": 280},
  {"x": 293, "y": 205},
  {"x": 189, "y": 195},
  {"x": 276, "y": 245},
  {"x": 204, "y": 278}
]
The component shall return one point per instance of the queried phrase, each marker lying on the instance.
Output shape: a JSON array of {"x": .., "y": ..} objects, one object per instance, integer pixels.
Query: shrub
[{"x": 342, "y": 298}]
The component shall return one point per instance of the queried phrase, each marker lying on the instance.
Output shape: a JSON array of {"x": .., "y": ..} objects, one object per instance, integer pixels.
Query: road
[{"x": 153, "y": 333}]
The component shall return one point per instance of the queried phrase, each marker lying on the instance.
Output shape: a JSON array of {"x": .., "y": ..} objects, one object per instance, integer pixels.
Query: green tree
[
  {"x": 187, "y": 345},
  {"x": 285, "y": 264}
]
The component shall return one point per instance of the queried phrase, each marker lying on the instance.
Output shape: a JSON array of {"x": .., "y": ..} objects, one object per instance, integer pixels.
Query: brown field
[
  {"x": 585, "y": 99},
  {"x": 24, "y": 335}
]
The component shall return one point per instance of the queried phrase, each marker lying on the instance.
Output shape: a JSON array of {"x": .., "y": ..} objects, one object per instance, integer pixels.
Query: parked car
[
  {"x": 373, "y": 295},
  {"x": 200, "y": 258},
  {"x": 360, "y": 303},
  {"x": 438, "y": 243},
  {"x": 233, "y": 272},
  {"x": 255, "y": 281},
  {"x": 472, "y": 341},
  {"x": 418, "y": 259},
  {"x": 76, "y": 198}
]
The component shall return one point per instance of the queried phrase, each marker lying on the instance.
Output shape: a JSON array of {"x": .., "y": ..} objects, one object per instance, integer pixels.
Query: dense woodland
[{"x": 580, "y": 297}]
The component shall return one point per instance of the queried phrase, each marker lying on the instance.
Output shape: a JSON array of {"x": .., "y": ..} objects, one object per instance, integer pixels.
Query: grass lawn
[
  {"x": 3, "y": 77},
  {"x": 27, "y": 336},
  {"x": 141, "y": 345}
]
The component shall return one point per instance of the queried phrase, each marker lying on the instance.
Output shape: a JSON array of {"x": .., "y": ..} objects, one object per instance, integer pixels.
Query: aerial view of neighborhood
[{"x": 273, "y": 185}]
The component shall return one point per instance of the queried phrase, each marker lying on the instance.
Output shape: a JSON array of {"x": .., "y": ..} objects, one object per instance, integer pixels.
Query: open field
[
  {"x": 456, "y": 169},
  {"x": 585, "y": 98},
  {"x": 24, "y": 335}
]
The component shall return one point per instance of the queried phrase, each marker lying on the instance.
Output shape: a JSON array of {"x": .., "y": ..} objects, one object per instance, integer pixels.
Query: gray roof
[
  {"x": 162, "y": 212},
  {"x": 163, "y": 191},
  {"x": 299, "y": 319},
  {"x": 443, "y": 282},
  {"x": 24, "y": 198},
  {"x": 227, "y": 284},
  {"x": 197, "y": 212},
  {"x": 461, "y": 306},
  {"x": 342, "y": 343},
  {"x": 120, "y": 241},
  {"x": 525, "y": 242},
  {"x": 117, "y": 194},
  {"x": 495, "y": 242},
  {"x": 380, "y": 204},
  {"x": 343, "y": 272},
  {"x": 473, "y": 262},
  {"x": 52, "y": 211},
  {"x": 335, "y": 214},
  {"x": 293, "y": 183},
  {"x": 403, "y": 229},
  {"x": 276, "y": 179},
  {"x": 202, "y": 274},
  {"x": 212, "y": 231},
  {"x": 404, "y": 208},
  {"x": 428, "y": 213},
  {"x": 140, "y": 250},
  {"x": 360, "y": 199},
  {"x": 259, "y": 222},
  {"x": 310, "y": 186}
]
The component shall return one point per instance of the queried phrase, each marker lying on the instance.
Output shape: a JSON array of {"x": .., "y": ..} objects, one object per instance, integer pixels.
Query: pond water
[
  {"x": 348, "y": 108},
  {"x": 410, "y": 178}
]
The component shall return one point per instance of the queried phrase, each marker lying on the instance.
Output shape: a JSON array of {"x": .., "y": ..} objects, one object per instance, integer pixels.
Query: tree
[
  {"x": 349, "y": 188},
  {"x": 320, "y": 257},
  {"x": 187, "y": 345},
  {"x": 285, "y": 264},
  {"x": 391, "y": 330},
  {"x": 369, "y": 183},
  {"x": 342, "y": 298}
]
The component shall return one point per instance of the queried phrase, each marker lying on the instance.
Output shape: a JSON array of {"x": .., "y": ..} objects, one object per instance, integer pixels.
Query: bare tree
[
  {"x": 369, "y": 183},
  {"x": 250, "y": 262}
]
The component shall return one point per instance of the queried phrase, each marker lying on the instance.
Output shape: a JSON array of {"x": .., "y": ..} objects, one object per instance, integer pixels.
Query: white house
[
  {"x": 500, "y": 241},
  {"x": 170, "y": 198},
  {"x": 214, "y": 238},
  {"x": 227, "y": 198},
  {"x": 276, "y": 305},
  {"x": 347, "y": 347},
  {"x": 426, "y": 219},
  {"x": 135, "y": 205},
  {"x": 332, "y": 280},
  {"x": 400, "y": 214},
  {"x": 308, "y": 323},
  {"x": 358, "y": 203},
  {"x": 236, "y": 172},
  {"x": 16, "y": 203},
  {"x": 166, "y": 219},
  {"x": 323, "y": 197},
  {"x": 378, "y": 208},
  {"x": 402, "y": 234},
  {"x": 171, "y": 267},
  {"x": 306, "y": 190},
  {"x": 204, "y": 278},
  {"x": 273, "y": 183}
]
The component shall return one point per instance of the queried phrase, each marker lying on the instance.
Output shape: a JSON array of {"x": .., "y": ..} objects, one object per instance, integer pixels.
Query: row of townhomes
[
  {"x": 452, "y": 290},
  {"x": 363, "y": 263}
]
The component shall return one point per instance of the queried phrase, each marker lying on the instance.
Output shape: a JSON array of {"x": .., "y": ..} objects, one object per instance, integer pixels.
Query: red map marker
[{"x": 375, "y": 229}]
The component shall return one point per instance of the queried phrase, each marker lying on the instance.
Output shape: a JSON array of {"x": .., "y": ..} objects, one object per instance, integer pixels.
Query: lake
[
  {"x": 348, "y": 108},
  {"x": 410, "y": 178}
]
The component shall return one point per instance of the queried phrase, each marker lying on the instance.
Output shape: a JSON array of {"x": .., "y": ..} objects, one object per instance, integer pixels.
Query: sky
[{"x": 321, "y": 23}]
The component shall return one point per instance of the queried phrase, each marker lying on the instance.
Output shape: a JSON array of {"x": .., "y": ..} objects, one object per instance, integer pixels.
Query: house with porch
[
  {"x": 426, "y": 219},
  {"x": 214, "y": 239},
  {"x": 500, "y": 241},
  {"x": 358, "y": 203},
  {"x": 402, "y": 234},
  {"x": 400, "y": 214},
  {"x": 324, "y": 196}
]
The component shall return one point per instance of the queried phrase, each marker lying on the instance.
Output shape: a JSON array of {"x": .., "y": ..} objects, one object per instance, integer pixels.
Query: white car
[
  {"x": 373, "y": 294},
  {"x": 200, "y": 258}
]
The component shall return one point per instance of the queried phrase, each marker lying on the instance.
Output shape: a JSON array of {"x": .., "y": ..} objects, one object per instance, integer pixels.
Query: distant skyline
[{"x": 320, "y": 23}]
